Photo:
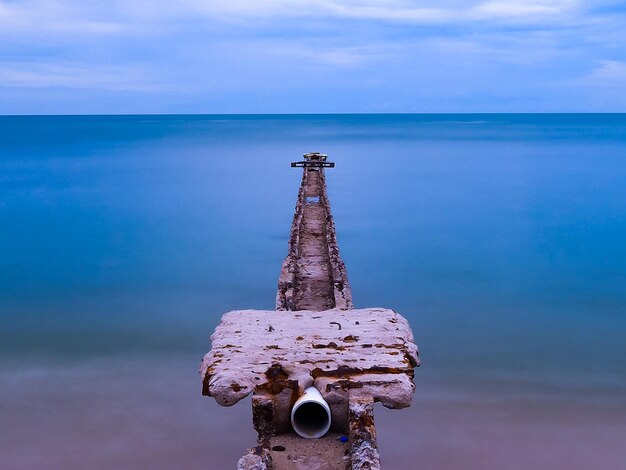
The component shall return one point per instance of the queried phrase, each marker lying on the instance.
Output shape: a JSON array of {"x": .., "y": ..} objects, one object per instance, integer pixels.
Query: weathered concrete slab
[{"x": 362, "y": 352}]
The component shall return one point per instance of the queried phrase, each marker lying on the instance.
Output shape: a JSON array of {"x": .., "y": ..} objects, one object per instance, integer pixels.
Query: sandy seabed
[{"x": 147, "y": 412}]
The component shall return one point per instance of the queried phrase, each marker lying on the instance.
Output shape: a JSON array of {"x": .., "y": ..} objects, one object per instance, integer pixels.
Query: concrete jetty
[
  {"x": 313, "y": 276},
  {"x": 314, "y": 338}
]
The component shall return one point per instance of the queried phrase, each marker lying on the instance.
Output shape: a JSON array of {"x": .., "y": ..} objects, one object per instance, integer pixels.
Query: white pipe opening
[{"x": 310, "y": 415}]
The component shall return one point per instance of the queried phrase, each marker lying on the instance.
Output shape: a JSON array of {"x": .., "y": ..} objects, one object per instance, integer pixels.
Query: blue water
[{"x": 502, "y": 238}]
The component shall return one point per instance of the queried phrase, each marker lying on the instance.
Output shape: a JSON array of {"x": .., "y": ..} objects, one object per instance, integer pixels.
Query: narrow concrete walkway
[
  {"x": 313, "y": 275},
  {"x": 313, "y": 285}
]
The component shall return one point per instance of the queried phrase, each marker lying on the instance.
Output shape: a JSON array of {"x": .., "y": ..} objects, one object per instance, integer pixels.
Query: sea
[{"x": 500, "y": 237}]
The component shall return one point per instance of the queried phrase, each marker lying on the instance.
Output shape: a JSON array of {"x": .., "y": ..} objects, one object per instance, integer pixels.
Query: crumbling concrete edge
[
  {"x": 256, "y": 458},
  {"x": 342, "y": 289},
  {"x": 286, "y": 280}
]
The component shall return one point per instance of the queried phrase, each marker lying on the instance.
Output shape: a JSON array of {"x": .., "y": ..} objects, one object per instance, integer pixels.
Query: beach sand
[{"x": 140, "y": 412}]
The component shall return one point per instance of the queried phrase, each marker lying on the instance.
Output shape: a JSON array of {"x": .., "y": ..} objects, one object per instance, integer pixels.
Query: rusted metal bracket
[
  {"x": 314, "y": 160},
  {"x": 312, "y": 164}
]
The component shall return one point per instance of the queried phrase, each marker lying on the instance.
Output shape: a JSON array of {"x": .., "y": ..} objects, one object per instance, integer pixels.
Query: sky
[{"x": 316, "y": 56}]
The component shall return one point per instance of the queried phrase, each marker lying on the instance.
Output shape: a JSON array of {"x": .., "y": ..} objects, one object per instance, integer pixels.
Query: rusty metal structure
[{"x": 314, "y": 338}]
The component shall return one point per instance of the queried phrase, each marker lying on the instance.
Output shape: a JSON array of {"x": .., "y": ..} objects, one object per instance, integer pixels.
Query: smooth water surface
[{"x": 500, "y": 237}]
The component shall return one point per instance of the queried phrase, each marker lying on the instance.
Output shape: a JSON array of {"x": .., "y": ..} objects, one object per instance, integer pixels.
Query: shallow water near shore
[{"x": 500, "y": 238}]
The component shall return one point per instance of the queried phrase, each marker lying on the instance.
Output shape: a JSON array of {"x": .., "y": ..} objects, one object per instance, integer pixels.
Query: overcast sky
[{"x": 296, "y": 56}]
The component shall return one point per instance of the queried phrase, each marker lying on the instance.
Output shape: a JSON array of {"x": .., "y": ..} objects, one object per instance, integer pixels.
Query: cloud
[
  {"x": 608, "y": 71},
  {"x": 317, "y": 51},
  {"x": 601, "y": 89},
  {"x": 389, "y": 11},
  {"x": 385, "y": 10},
  {"x": 400, "y": 11},
  {"x": 117, "y": 16},
  {"x": 528, "y": 9},
  {"x": 76, "y": 76},
  {"x": 38, "y": 16},
  {"x": 341, "y": 57}
]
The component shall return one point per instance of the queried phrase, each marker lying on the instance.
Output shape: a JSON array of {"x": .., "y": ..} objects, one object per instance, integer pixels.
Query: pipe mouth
[{"x": 310, "y": 416}]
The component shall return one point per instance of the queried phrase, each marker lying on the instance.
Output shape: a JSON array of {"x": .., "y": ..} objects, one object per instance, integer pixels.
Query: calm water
[{"x": 500, "y": 237}]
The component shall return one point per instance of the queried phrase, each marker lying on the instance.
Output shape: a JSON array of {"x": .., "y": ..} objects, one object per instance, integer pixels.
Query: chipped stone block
[{"x": 256, "y": 458}]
